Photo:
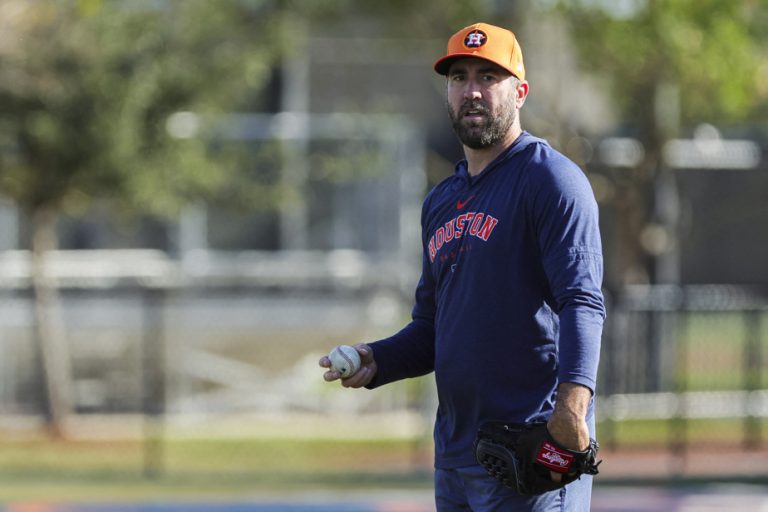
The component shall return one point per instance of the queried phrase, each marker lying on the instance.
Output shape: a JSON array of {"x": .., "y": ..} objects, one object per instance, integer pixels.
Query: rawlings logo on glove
[
  {"x": 554, "y": 458},
  {"x": 522, "y": 455}
]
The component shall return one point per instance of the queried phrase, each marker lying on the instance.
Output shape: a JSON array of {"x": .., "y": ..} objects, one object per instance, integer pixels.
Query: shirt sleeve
[
  {"x": 411, "y": 352},
  {"x": 565, "y": 220}
]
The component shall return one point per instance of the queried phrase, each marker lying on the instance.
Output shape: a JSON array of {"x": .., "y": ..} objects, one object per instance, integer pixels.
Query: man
[{"x": 508, "y": 310}]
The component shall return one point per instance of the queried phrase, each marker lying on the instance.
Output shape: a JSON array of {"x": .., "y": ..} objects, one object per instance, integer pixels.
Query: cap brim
[{"x": 444, "y": 64}]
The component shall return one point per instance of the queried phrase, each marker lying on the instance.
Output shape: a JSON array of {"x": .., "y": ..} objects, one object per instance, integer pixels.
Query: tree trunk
[{"x": 49, "y": 331}]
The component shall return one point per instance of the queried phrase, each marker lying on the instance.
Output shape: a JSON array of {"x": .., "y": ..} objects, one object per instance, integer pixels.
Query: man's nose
[{"x": 472, "y": 91}]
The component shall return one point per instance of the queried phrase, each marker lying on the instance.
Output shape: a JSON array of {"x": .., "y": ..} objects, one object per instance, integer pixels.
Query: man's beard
[{"x": 487, "y": 134}]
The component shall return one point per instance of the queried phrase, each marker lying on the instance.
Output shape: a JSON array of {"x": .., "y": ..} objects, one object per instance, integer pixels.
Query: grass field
[
  {"x": 211, "y": 468},
  {"x": 656, "y": 434}
]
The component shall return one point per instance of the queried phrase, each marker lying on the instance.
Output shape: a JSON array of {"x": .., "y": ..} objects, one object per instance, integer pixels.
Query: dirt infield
[{"x": 712, "y": 464}]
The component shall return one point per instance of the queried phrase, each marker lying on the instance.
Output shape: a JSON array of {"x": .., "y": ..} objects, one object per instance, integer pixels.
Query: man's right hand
[{"x": 362, "y": 377}]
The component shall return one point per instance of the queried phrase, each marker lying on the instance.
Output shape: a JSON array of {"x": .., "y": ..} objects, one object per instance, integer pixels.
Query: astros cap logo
[{"x": 475, "y": 39}]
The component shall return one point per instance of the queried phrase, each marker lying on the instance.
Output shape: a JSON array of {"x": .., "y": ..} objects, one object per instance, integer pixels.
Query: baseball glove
[{"x": 521, "y": 456}]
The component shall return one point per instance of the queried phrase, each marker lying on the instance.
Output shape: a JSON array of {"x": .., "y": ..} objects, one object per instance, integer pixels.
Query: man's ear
[{"x": 521, "y": 93}]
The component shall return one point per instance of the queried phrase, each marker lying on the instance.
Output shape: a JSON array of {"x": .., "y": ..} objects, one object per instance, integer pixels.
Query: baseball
[{"x": 345, "y": 360}]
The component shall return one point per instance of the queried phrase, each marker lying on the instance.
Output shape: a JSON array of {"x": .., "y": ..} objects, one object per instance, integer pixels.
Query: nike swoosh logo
[{"x": 461, "y": 204}]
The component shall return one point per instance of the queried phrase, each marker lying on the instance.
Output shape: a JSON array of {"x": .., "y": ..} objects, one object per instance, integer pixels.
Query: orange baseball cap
[{"x": 484, "y": 41}]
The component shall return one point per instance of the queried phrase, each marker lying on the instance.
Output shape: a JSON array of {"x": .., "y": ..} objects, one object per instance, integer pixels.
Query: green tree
[
  {"x": 90, "y": 95},
  {"x": 670, "y": 64}
]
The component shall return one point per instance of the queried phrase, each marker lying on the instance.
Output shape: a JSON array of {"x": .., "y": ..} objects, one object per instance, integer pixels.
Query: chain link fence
[{"x": 684, "y": 373}]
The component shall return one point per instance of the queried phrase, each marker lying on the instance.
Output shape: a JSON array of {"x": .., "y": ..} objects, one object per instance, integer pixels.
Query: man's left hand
[{"x": 568, "y": 423}]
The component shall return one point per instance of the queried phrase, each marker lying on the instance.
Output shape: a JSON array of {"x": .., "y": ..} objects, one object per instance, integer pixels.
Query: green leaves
[
  {"x": 85, "y": 100},
  {"x": 713, "y": 50}
]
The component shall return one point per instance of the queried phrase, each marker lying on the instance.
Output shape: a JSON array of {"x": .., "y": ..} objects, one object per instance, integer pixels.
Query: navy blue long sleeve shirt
[{"x": 509, "y": 303}]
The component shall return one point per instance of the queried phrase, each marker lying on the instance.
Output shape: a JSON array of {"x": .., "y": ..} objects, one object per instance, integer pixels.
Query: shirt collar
[{"x": 520, "y": 143}]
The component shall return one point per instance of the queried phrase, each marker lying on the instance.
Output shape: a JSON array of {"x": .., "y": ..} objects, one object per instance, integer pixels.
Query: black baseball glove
[{"x": 521, "y": 456}]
